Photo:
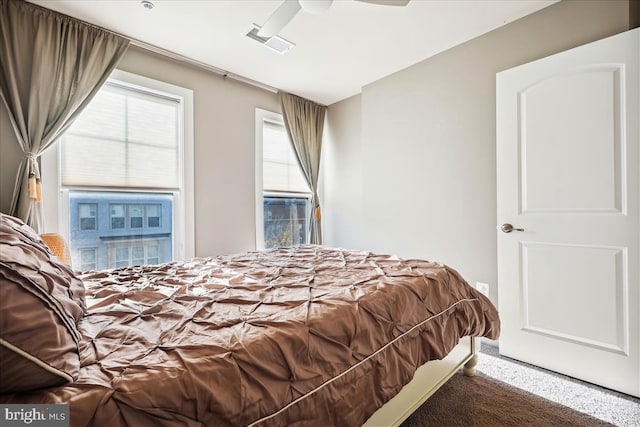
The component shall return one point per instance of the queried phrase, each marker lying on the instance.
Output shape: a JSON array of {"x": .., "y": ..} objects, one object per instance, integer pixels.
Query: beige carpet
[{"x": 483, "y": 401}]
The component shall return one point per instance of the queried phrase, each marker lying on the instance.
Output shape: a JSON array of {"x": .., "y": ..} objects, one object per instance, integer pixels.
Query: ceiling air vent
[{"x": 275, "y": 43}]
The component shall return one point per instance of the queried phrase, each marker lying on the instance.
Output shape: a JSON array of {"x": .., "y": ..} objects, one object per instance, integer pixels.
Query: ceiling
[{"x": 336, "y": 53}]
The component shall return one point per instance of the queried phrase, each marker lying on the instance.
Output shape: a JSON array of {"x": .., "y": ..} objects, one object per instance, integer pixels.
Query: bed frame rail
[{"x": 426, "y": 381}]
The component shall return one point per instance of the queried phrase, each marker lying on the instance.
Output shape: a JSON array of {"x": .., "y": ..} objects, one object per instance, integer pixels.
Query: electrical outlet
[{"x": 483, "y": 288}]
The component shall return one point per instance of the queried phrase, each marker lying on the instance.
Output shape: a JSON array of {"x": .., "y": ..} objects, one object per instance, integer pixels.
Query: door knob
[{"x": 508, "y": 228}]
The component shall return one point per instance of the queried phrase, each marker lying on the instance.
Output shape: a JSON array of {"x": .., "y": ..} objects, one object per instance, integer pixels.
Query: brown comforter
[{"x": 297, "y": 336}]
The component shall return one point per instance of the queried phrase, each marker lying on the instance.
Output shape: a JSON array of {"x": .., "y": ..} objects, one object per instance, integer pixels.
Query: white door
[{"x": 568, "y": 159}]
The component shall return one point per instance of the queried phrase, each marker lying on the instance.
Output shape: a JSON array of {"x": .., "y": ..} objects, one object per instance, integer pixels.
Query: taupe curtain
[
  {"x": 304, "y": 121},
  {"x": 51, "y": 66}
]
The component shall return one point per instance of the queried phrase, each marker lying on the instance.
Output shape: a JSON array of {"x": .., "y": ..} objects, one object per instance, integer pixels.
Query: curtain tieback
[
  {"x": 318, "y": 214},
  {"x": 34, "y": 185}
]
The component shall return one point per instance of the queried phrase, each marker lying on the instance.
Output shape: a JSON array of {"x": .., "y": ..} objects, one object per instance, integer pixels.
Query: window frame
[
  {"x": 260, "y": 117},
  {"x": 286, "y": 195},
  {"x": 56, "y": 196}
]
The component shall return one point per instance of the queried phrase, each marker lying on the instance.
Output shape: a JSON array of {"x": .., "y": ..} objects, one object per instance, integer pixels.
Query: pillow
[{"x": 41, "y": 302}]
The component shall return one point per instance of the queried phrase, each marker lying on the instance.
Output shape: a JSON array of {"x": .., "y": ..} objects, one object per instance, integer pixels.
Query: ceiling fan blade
[
  {"x": 315, "y": 6},
  {"x": 280, "y": 18},
  {"x": 387, "y": 2}
]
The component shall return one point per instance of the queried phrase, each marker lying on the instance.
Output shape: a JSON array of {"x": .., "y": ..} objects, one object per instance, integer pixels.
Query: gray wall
[
  {"x": 410, "y": 163},
  {"x": 224, "y": 141},
  {"x": 342, "y": 174}
]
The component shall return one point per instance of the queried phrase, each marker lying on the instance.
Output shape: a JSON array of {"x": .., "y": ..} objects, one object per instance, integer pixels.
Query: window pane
[
  {"x": 285, "y": 221},
  {"x": 153, "y": 254},
  {"x": 122, "y": 257},
  {"x": 138, "y": 252},
  {"x": 120, "y": 238},
  {"x": 122, "y": 254},
  {"x": 87, "y": 210},
  {"x": 88, "y": 255},
  {"x": 88, "y": 259},
  {"x": 117, "y": 222},
  {"x": 137, "y": 255},
  {"x": 152, "y": 251}
]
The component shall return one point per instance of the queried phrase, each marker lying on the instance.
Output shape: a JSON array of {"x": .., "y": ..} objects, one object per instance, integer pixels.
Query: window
[
  {"x": 117, "y": 216},
  {"x": 88, "y": 259},
  {"x": 125, "y": 168},
  {"x": 285, "y": 221},
  {"x": 142, "y": 252},
  {"x": 152, "y": 254},
  {"x": 153, "y": 216},
  {"x": 122, "y": 224},
  {"x": 282, "y": 193},
  {"x": 122, "y": 257},
  {"x": 87, "y": 216},
  {"x": 136, "y": 216},
  {"x": 133, "y": 216}
]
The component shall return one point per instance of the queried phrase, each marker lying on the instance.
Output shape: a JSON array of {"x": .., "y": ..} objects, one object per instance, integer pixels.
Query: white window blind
[
  {"x": 280, "y": 169},
  {"x": 124, "y": 138}
]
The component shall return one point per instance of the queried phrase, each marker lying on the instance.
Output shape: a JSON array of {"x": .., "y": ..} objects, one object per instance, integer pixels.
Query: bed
[{"x": 308, "y": 335}]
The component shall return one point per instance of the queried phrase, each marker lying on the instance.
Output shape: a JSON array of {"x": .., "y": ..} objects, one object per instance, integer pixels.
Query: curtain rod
[{"x": 194, "y": 62}]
